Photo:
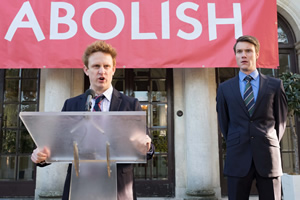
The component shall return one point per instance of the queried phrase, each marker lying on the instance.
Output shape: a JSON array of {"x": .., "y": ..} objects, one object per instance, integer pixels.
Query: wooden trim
[{"x": 17, "y": 188}]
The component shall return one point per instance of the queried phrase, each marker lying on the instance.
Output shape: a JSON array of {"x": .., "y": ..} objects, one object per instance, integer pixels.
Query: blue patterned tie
[
  {"x": 248, "y": 95},
  {"x": 98, "y": 100}
]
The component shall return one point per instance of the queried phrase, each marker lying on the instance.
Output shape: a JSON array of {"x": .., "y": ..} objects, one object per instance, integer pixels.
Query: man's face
[
  {"x": 100, "y": 71},
  {"x": 246, "y": 57}
]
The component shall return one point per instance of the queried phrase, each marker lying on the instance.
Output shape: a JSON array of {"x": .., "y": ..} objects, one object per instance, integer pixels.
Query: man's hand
[
  {"x": 142, "y": 143},
  {"x": 39, "y": 156}
]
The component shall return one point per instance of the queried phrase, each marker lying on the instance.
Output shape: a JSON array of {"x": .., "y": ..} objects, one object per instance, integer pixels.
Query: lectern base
[{"x": 93, "y": 182}]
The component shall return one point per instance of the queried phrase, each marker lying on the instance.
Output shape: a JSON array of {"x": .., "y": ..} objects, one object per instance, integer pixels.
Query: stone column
[
  {"x": 56, "y": 86},
  {"x": 179, "y": 133},
  {"x": 201, "y": 134}
]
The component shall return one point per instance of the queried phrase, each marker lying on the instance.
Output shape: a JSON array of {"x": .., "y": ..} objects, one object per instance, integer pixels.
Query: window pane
[
  {"x": 28, "y": 107},
  {"x": 141, "y": 96},
  {"x": 142, "y": 171},
  {"x": 8, "y": 141},
  {"x": 145, "y": 108},
  {"x": 29, "y": 90},
  {"x": 9, "y": 73},
  {"x": 284, "y": 63},
  {"x": 160, "y": 140},
  {"x": 158, "y": 85},
  {"x": 11, "y": 90},
  {"x": 226, "y": 73},
  {"x": 141, "y": 90},
  {"x": 159, "y": 115},
  {"x": 119, "y": 85},
  {"x": 119, "y": 73},
  {"x": 288, "y": 160},
  {"x": 287, "y": 141},
  {"x": 287, "y": 150},
  {"x": 268, "y": 72},
  {"x": 141, "y": 72},
  {"x": 159, "y": 96},
  {"x": 160, "y": 167},
  {"x": 282, "y": 37},
  {"x": 159, "y": 93},
  {"x": 26, "y": 168},
  {"x": 26, "y": 144},
  {"x": 30, "y": 73},
  {"x": 158, "y": 73},
  {"x": 10, "y": 115},
  {"x": 7, "y": 166}
]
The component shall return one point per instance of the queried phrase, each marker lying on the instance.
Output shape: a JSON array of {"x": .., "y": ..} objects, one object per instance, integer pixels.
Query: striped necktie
[
  {"x": 98, "y": 100},
  {"x": 248, "y": 95}
]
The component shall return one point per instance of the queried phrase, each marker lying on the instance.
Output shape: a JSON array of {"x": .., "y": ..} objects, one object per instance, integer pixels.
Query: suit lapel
[
  {"x": 115, "y": 101},
  {"x": 82, "y": 102},
  {"x": 235, "y": 86}
]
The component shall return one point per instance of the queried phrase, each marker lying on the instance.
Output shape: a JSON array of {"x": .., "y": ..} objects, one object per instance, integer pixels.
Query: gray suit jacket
[{"x": 253, "y": 137}]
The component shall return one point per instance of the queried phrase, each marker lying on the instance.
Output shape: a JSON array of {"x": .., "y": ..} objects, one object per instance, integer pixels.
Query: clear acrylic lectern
[{"x": 94, "y": 142}]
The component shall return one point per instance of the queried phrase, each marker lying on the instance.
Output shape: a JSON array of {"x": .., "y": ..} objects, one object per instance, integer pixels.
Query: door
[{"x": 18, "y": 92}]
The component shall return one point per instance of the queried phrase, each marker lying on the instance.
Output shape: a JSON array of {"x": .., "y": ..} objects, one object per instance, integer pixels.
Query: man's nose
[{"x": 101, "y": 69}]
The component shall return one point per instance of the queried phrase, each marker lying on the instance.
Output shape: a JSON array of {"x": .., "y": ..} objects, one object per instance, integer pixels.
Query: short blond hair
[{"x": 97, "y": 46}]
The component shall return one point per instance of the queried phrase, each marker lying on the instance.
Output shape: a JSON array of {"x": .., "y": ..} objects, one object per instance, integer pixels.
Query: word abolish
[{"x": 68, "y": 20}]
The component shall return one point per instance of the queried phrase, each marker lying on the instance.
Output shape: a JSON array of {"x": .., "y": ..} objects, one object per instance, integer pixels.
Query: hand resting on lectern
[
  {"x": 40, "y": 156},
  {"x": 141, "y": 143}
]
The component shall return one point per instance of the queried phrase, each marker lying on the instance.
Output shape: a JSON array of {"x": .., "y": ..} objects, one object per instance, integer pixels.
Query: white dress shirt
[{"x": 105, "y": 103}]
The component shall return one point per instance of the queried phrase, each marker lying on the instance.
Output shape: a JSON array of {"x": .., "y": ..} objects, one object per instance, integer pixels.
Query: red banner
[{"x": 146, "y": 34}]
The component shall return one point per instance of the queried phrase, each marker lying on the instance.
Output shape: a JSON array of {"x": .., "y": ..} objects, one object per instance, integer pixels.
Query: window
[{"x": 18, "y": 92}]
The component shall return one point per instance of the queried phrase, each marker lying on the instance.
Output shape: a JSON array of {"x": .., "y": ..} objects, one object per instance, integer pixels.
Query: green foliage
[
  {"x": 291, "y": 84},
  {"x": 160, "y": 142}
]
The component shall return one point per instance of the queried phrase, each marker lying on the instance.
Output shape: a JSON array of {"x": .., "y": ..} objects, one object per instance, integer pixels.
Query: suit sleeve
[
  {"x": 222, "y": 111},
  {"x": 281, "y": 110},
  {"x": 137, "y": 105},
  {"x": 64, "y": 108}
]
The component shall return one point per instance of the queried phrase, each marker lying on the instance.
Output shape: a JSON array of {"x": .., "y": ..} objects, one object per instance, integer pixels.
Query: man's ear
[
  {"x": 257, "y": 55},
  {"x": 85, "y": 70}
]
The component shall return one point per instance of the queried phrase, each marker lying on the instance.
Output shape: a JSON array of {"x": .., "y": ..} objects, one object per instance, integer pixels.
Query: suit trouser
[{"x": 269, "y": 188}]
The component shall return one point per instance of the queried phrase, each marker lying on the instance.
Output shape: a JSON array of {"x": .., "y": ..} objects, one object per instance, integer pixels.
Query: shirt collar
[
  {"x": 108, "y": 93},
  {"x": 253, "y": 74}
]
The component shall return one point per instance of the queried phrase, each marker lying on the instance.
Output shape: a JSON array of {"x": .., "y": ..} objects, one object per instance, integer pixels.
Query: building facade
[{"x": 181, "y": 116}]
